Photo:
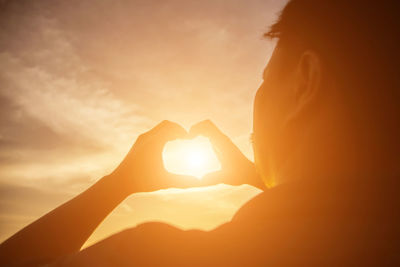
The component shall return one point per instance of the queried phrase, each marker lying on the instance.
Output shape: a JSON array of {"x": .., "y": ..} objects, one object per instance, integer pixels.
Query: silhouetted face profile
[
  {"x": 329, "y": 102},
  {"x": 280, "y": 101},
  {"x": 272, "y": 104}
]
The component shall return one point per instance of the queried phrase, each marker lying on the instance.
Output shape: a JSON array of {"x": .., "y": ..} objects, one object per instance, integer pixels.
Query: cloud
[{"x": 55, "y": 111}]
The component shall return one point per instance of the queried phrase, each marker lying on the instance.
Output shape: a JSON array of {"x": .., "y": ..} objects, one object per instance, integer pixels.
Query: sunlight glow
[
  {"x": 196, "y": 158},
  {"x": 190, "y": 157}
]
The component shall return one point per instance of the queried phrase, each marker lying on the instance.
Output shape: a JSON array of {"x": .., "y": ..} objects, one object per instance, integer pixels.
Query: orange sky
[{"x": 80, "y": 80}]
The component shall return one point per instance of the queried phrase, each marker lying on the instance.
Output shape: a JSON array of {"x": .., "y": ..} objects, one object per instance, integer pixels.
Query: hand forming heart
[{"x": 143, "y": 170}]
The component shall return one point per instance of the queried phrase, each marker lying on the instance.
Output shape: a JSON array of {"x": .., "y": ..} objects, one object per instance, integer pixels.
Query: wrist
[{"x": 116, "y": 186}]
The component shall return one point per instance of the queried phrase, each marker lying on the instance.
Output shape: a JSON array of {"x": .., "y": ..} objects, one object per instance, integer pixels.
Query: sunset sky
[{"x": 81, "y": 79}]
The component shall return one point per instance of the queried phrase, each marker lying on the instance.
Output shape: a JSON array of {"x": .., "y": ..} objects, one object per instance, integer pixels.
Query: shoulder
[
  {"x": 269, "y": 203},
  {"x": 154, "y": 244}
]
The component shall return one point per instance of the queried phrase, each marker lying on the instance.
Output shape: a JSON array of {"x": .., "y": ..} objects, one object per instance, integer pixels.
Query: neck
[{"x": 328, "y": 151}]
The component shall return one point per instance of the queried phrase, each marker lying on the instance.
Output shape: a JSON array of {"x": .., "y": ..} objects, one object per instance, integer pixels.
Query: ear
[{"x": 307, "y": 82}]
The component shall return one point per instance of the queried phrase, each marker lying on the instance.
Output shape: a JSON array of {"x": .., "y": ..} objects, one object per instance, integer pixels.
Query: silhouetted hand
[
  {"x": 236, "y": 169},
  {"x": 143, "y": 170}
]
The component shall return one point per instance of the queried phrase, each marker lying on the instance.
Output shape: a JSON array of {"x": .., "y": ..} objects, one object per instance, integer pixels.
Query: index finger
[
  {"x": 223, "y": 146},
  {"x": 206, "y": 128},
  {"x": 164, "y": 132}
]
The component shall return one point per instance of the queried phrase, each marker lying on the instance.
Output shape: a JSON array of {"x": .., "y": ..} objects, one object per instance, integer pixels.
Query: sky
[{"x": 81, "y": 79}]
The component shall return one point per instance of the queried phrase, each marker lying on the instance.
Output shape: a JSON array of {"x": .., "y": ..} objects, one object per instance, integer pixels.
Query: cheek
[
  {"x": 257, "y": 111},
  {"x": 270, "y": 111},
  {"x": 263, "y": 114},
  {"x": 273, "y": 105},
  {"x": 261, "y": 132}
]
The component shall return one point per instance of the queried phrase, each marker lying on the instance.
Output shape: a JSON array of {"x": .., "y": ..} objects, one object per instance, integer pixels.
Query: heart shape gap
[{"x": 194, "y": 157}]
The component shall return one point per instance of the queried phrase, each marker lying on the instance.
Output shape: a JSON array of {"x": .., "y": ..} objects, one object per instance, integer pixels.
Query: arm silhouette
[{"x": 64, "y": 230}]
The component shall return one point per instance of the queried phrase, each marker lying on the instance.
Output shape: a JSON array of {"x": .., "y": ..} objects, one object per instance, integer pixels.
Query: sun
[
  {"x": 196, "y": 158},
  {"x": 190, "y": 157}
]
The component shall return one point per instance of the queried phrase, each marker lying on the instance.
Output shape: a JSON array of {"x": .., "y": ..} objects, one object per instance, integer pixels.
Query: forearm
[{"x": 65, "y": 229}]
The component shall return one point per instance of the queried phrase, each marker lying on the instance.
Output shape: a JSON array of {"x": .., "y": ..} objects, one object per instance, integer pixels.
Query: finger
[
  {"x": 224, "y": 148},
  {"x": 164, "y": 132},
  {"x": 206, "y": 128}
]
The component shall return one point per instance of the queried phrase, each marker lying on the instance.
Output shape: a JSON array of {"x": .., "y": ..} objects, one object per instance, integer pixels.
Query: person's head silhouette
[{"x": 330, "y": 101}]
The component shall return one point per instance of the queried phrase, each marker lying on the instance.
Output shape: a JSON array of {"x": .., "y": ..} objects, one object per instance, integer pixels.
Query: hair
[
  {"x": 357, "y": 41},
  {"x": 355, "y": 33}
]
